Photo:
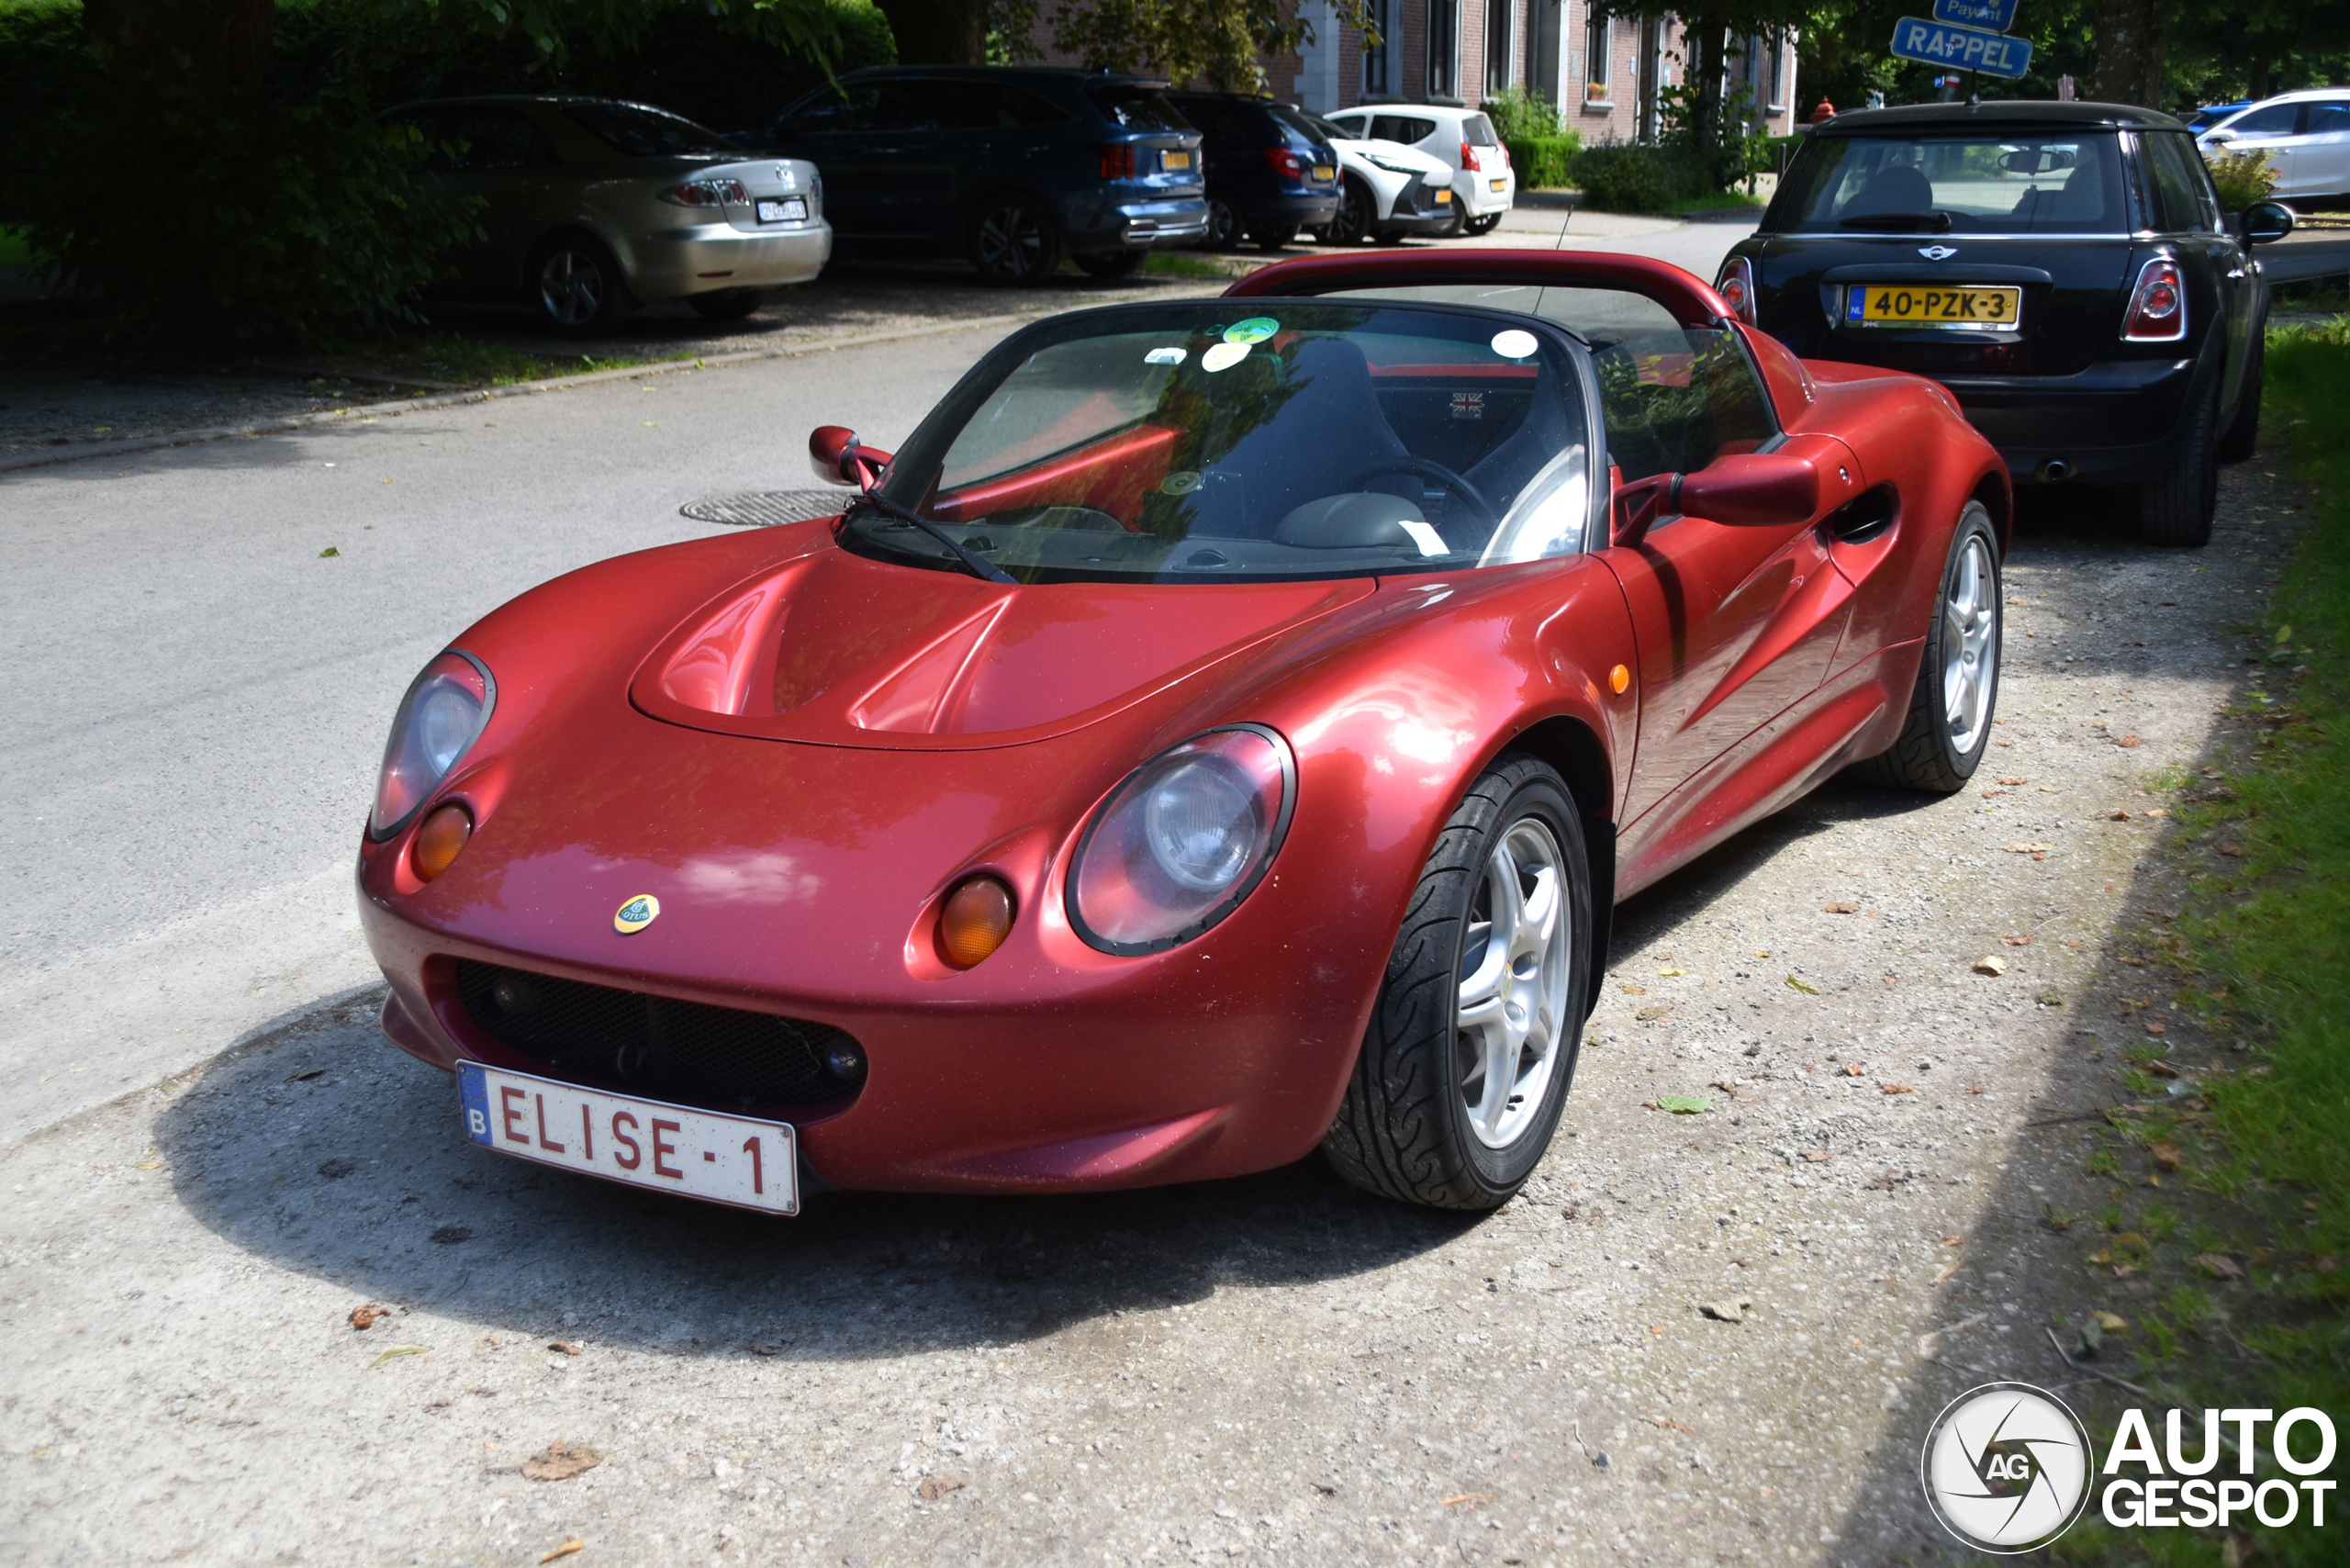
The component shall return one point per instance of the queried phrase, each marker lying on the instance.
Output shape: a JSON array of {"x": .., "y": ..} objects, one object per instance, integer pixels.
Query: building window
[
  {"x": 1499, "y": 34},
  {"x": 1595, "y": 63},
  {"x": 1375, "y": 55},
  {"x": 1777, "y": 98},
  {"x": 1444, "y": 49}
]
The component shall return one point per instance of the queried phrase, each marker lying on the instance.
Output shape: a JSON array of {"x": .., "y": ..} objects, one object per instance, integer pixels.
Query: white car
[
  {"x": 1388, "y": 192},
  {"x": 1483, "y": 184},
  {"x": 2306, "y": 135}
]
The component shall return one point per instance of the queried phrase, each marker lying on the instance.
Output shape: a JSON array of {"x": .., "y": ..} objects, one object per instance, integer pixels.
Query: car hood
[{"x": 833, "y": 649}]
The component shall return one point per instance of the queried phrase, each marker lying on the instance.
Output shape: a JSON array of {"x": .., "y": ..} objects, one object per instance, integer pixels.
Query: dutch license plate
[
  {"x": 789, "y": 209},
  {"x": 1497, "y": 186},
  {"x": 1326, "y": 172},
  {"x": 1923, "y": 305},
  {"x": 646, "y": 1143},
  {"x": 1444, "y": 195},
  {"x": 1174, "y": 160}
]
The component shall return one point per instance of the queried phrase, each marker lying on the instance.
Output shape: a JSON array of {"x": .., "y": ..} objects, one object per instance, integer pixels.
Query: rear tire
[
  {"x": 1485, "y": 223},
  {"x": 726, "y": 305},
  {"x": 2176, "y": 509},
  {"x": 2243, "y": 430},
  {"x": 1014, "y": 242},
  {"x": 1486, "y": 987},
  {"x": 576, "y": 287},
  {"x": 1223, "y": 226},
  {"x": 1949, "y": 725},
  {"x": 1110, "y": 265}
]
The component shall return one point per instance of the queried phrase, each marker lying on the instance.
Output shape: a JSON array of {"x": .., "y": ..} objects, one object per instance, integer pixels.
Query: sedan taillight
[
  {"x": 1118, "y": 159},
  {"x": 1286, "y": 163},
  {"x": 2158, "y": 305},
  {"x": 708, "y": 193}
]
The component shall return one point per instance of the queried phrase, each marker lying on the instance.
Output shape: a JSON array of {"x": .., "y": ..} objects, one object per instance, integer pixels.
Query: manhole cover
[{"x": 765, "y": 508}]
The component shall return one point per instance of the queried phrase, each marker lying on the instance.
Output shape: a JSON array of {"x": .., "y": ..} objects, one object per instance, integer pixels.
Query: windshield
[
  {"x": 1249, "y": 439},
  {"x": 2067, "y": 183}
]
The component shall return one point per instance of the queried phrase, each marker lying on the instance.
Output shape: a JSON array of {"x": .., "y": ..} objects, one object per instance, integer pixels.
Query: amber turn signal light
[
  {"x": 444, "y": 833},
  {"x": 1619, "y": 678},
  {"x": 977, "y": 919}
]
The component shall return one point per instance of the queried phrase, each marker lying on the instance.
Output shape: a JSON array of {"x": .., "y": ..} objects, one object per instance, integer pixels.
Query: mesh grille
[
  {"x": 766, "y": 509},
  {"x": 690, "y": 1052}
]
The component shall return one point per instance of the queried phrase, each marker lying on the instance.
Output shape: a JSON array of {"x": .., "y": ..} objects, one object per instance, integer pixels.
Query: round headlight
[
  {"x": 1182, "y": 840},
  {"x": 441, "y": 715}
]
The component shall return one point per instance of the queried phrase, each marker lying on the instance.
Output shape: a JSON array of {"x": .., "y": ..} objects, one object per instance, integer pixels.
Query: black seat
[{"x": 1328, "y": 428}]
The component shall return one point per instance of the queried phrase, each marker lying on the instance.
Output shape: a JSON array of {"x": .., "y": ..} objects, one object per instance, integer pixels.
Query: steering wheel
[{"x": 1437, "y": 472}]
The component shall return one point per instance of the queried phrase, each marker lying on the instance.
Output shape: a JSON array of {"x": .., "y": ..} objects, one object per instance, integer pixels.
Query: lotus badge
[
  {"x": 636, "y": 914},
  {"x": 1937, "y": 252}
]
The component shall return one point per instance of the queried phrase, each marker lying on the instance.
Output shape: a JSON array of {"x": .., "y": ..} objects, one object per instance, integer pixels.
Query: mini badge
[{"x": 636, "y": 914}]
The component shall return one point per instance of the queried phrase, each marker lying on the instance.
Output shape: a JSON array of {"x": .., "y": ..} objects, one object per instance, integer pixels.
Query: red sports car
[{"x": 1221, "y": 729}]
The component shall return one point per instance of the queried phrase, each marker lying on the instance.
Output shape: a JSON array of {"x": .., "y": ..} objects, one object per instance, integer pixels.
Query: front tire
[
  {"x": 1223, "y": 226},
  {"x": 577, "y": 288},
  {"x": 1014, "y": 242},
  {"x": 2176, "y": 509},
  {"x": 1353, "y": 220},
  {"x": 1949, "y": 725},
  {"x": 1472, "y": 1041}
]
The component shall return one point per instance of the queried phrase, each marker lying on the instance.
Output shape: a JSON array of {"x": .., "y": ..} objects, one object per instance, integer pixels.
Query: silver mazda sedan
[{"x": 590, "y": 207}]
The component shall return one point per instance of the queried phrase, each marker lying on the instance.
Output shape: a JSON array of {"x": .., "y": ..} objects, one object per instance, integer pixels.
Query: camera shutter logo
[{"x": 2006, "y": 1467}]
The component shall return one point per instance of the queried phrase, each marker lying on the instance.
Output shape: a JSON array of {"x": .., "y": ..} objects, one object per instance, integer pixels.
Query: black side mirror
[{"x": 2267, "y": 221}]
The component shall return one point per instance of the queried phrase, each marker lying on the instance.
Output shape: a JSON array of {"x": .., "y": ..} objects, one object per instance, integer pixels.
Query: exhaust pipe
[{"x": 2055, "y": 471}]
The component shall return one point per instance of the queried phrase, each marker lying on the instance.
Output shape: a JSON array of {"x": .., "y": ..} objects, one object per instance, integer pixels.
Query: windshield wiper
[
  {"x": 1901, "y": 222},
  {"x": 985, "y": 571}
]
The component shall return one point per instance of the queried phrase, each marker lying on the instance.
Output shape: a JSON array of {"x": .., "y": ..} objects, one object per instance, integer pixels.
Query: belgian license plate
[
  {"x": 1174, "y": 160},
  {"x": 1496, "y": 186},
  {"x": 1919, "y": 305},
  {"x": 789, "y": 209},
  {"x": 1326, "y": 172},
  {"x": 646, "y": 1143}
]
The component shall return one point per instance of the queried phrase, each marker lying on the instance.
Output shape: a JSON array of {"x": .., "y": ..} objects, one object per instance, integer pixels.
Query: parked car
[
  {"x": 1221, "y": 729},
  {"x": 1388, "y": 192},
  {"x": 1483, "y": 184},
  {"x": 1270, "y": 168},
  {"x": 2210, "y": 115},
  {"x": 1012, "y": 167},
  {"x": 589, "y": 207},
  {"x": 2063, "y": 268},
  {"x": 2305, "y": 135}
]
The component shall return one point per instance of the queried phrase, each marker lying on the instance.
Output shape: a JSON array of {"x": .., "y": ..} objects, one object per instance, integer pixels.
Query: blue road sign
[
  {"x": 1991, "y": 16},
  {"x": 1937, "y": 43}
]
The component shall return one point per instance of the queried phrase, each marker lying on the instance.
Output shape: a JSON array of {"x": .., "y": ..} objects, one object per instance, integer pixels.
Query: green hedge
[
  {"x": 1618, "y": 178},
  {"x": 1543, "y": 162}
]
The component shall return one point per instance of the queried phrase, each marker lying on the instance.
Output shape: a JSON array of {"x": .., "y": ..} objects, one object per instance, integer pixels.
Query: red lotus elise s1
[{"x": 1222, "y": 728}]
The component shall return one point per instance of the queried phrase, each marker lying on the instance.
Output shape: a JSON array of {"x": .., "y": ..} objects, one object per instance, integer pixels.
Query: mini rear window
[
  {"x": 2065, "y": 182},
  {"x": 642, "y": 132},
  {"x": 1137, "y": 108}
]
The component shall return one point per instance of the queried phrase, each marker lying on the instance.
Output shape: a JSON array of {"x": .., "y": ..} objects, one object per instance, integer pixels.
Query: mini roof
[{"x": 1994, "y": 115}]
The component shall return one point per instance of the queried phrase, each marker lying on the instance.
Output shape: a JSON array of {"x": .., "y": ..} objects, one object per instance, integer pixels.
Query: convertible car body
[{"x": 1221, "y": 729}]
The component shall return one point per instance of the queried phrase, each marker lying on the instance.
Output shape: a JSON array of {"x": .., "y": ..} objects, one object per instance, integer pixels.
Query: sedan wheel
[
  {"x": 1473, "y": 1042},
  {"x": 1353, "y": 220},
  {"x": 1949, "y": 723},
  {"x": 577, "y": 286},
  {"x": 1014, "y": 242},
  {"x": 1223, "y": 226}
]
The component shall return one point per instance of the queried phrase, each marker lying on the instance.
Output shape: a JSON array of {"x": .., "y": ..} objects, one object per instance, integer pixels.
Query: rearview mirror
[
  {"x": 2265, "y": 221},
  {"x": 1752, "y": 488}
]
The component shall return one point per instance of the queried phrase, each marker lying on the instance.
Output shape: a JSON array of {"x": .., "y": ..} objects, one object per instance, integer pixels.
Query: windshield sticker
[
  {"x": 1181, "y": 482},
  {"x": 1254, "y": 330},
  {"x": 1514, "y": 345},
  {"x": 1163, "y": 356},
  {"x": 1467, "y": 405},
  {"x": 1430, "y": 541},
  {"x": 1224, "y": 356}
]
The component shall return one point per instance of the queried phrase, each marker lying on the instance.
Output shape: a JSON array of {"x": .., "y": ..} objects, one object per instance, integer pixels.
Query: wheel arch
[
  {"x": 1996, "y": 493},
  {"x": 571, "y": 228},
  {"x": 1575, "y": 751}
]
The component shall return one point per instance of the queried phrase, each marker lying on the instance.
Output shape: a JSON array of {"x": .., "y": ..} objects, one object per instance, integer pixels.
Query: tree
[{"x": 2130, "y": 39}]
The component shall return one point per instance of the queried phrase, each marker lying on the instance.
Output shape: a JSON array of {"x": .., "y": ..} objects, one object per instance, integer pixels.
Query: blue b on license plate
[{"x": 646, "y": 1143}]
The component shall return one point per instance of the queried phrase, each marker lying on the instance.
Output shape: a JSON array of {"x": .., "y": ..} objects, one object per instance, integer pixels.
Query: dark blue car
[
  {"x": 1012, "y": 166},
  {"x": 1271, "y": 173}
]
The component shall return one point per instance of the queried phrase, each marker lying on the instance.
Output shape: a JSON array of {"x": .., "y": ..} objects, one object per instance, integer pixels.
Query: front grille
[
  {"x": 1416, "y": 199},
  {"x": 691, "y": 1052}
]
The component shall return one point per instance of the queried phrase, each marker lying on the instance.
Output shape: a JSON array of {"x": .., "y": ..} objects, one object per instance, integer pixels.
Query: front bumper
[
  {"x": 2116, "y": 422},
  {"x": 704, "y": 258},
  {"x": 1299, "y": 209}
]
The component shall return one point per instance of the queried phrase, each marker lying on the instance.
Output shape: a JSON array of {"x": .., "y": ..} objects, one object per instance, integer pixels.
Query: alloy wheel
[
  {"x": 1970, "y": 645},
  {"x": 572, "y": 286},
  {"x": 1011, "y": 243},
  {"x": 1513, "y": 977}
]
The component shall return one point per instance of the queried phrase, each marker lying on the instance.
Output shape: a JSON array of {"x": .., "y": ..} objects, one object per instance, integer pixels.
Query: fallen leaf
[
  {"x": 1895, "y": 1089},
  {"x": 1633, "y": 990},
  {"x": 1975, "y": 1089},
  {"x": 366, "y": 1314},
  {"x": 2022, "y": 848},
  {"x": 304, "y": 1075},
  {"x": 566, "y": 1350},
  {"x": 2166, "y": 1153},
  {"x": 1953, "y": 1241},
  {"x": 1990, "y": 964},
  {"x": 1761, "y": 952},
  {"x": 1817, "y": 1156},
  {"x": 2158, "y": 810},
  {"x": 1458, "y": 1498},
  {"x": 2112, "y": 1323},
  {"x": 2023, "y": 941},
  {"x": 146, "y": 1165},
  {"x": 1839, "y": 909},
  {"x": 329, "y": 554},
  {"x": 1724, "y": 1312},
  {"x": 2012, "y": 782},
  {"x": 1667, "y": 1421},
  {"x": 933, "y": 1487},
  {"x": 1650, "y": 1014},
  {"x": 1683, "y": 1105},
  {"x": 566, "y": 1550},
  {"x": 1850, "y": 1070},
  {"x": 396, "y": 1352},
  {"x": 2158, "y": 1068},
  {"x": 2127, "y": 741},
  {"x": 2219, "y": 1265},
  {"x": 2116, "y": 815},
  {"x": 1667, "y": 972},
  {"x": 2155, "y": 1027},
  {"x": 2234, "y": 849},
  {"x": 1802, "y": 985},
  {"x": 561, "y": 1462}
]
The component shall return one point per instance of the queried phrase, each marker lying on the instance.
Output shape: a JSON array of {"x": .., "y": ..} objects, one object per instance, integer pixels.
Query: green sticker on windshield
[{"x": 1254, "y": 330}]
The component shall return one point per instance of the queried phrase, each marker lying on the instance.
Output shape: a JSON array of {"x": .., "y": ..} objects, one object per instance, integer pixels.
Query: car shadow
[{"x": 325, "y": 1150}]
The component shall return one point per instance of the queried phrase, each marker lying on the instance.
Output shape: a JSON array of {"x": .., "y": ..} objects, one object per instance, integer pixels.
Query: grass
[
  {"x": 470, "y": 358},
  {"x": 1721, "y": 201},
  {"x": 1177, "y": 264},
  {"x": 13, "y": 252}
]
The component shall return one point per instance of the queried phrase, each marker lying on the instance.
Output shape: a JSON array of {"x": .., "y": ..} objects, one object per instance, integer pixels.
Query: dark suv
[
  {"x": 1270, "y": 172},
  {"x": 1012, "y": 167},
  {"x": 2063, "y": 268}
]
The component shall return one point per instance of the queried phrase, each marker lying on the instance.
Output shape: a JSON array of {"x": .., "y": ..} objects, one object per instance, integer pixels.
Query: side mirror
[
  {"x": 2265, "y": 221},
  {"x": 1752, "y": 488},
  {"x": 839, "y": 458},
  {"x": 2220, "y": 136}
]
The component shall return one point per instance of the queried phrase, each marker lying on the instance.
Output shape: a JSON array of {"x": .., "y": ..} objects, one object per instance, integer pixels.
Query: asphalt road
[{"x": 1273, "y": 1369}]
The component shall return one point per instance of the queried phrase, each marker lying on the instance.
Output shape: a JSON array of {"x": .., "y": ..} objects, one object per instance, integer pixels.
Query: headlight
[
  {"x": 1391, "y": 166},
  {"x": 1183, "y": 840},
  {"x": 441, "y": 715}
]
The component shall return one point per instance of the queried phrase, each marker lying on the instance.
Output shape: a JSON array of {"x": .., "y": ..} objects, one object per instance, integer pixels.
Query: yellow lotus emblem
[{"x": 636, "y": 914}]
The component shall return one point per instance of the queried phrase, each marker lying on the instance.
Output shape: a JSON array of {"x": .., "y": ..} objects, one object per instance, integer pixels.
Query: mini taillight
[
  {"x": 1736, "y": 285},
  {"x": 1118, "y": 159},
  {"x": 2158, "y": 305},
  {"x": 1286, "y": 163},
  {"x": 1469, "y": 157},
  {"x": 708, "y": 193}
]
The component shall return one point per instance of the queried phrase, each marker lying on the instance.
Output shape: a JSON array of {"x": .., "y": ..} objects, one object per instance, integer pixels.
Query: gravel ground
[{"x": 1270, "y": 1369}]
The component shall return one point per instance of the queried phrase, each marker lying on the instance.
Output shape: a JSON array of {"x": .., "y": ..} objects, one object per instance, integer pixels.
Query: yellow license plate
[
  {"x": 1325, "y": 170},
  {"x": 1922, "y": 304},
  {"x": 1496, "y": 185},
  {"x": 1444, "y": 197},
  {"x": 1174, "y": 160}
]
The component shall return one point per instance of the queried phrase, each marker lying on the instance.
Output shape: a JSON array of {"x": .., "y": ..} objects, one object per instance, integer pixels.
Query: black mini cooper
[{"x": 2063, "y": 268}]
